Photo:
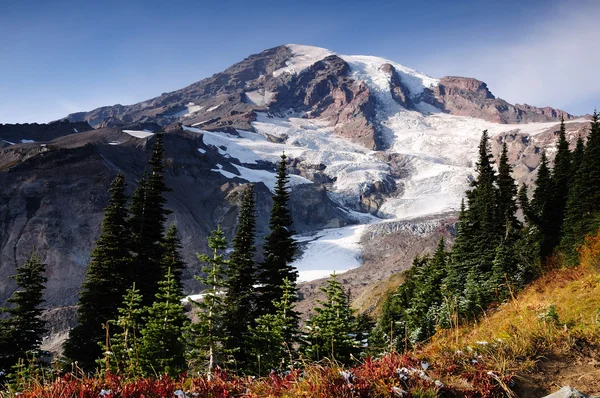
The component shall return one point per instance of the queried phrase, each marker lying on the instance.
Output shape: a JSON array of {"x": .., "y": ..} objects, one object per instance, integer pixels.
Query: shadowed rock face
[{"x": 54, "y": 197}]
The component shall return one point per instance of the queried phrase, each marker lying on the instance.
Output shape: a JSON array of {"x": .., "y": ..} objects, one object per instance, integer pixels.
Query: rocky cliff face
[
  {"x": 464, "y": 96},
  {"x": 55, "y": 192}
]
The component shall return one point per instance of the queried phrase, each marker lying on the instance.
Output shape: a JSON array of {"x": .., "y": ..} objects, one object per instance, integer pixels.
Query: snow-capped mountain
[
  {"x": 389, "y": 143},
  {"x": 380, "y": 156}
]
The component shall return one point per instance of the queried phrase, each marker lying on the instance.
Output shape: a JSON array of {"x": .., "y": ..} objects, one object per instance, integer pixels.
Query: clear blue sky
[{"x": 58, "y": 57}]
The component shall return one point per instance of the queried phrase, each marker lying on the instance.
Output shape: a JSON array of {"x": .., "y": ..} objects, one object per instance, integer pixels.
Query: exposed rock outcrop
[{"x": 465, "y": 96}]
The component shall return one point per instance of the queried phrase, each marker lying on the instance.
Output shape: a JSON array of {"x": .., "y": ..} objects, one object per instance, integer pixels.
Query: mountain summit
[{"x": 351, "y": 92}]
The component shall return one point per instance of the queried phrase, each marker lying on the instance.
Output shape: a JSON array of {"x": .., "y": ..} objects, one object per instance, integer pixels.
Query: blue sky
[{"x": 59, "y": 57}]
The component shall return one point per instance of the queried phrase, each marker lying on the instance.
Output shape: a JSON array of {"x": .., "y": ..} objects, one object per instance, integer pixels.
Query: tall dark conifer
[
  {"x": 147, "y": 222},
  {"x": 107, "y": 280},
  {"x": 240, "y": 299},
  {"x": 583, "y": 204},
  {"x": 172, "y": 257},
  {"x": 21, "y": 332},
  {"x": 541, "y": 204},
  {"x": 507, "y": 191},
  {"x": 561, "y": 179},
  {"x": 279, "y": 248}
]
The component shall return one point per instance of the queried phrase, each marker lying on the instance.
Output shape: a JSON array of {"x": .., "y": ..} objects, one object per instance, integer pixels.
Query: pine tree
[
  {"x": 122, "y": 352},
  {"x": 163, "y": 347},
  {"x": 427, "y": 296},
  {"x": 207, "y": 336},
  {"x": 507, "y": 191},
  {"x": 541, "y": 203},
  {"x": 480, "y": 225},
  {"x": 525, "y": 206},
  {"x": 583, "y": 203},
  {"x": 274, "y": 334},
  {"x": 172, "y": 258},
  {"x": 332, "y": 330},
  {"x": 106, "y": 282},
  {"x": 21, "y": 332},
  {"x": 460, "y": 258},
  {"x": 279, "y": 248},
  {"x": 240, "y": 299},
  {"x": 561, "y": 178},
  {"x": 577, "y": 157},
  {"x": 148, "y": 216}
]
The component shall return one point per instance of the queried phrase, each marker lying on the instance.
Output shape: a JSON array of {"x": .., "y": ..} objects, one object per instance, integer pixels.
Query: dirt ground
[{"x": 579, "y": 369}]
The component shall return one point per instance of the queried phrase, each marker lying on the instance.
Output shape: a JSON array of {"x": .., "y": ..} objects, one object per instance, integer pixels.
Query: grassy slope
[{"x": 520, "y": 338}]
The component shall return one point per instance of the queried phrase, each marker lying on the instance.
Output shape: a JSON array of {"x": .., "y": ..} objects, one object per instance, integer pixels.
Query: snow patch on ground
[
  {"x": 269, "y": 178},
  {"x": 190, "y": 109},
  {"x": 302, "y": 58},
  {"x": 139, "y": 133},
  {"x": 329, "y": 250},
  {"x": 260, "y": 98}
]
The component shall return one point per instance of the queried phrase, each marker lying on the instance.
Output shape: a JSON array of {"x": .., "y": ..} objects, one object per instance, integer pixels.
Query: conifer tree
[
  {"x": 279, "y": 248},
  {"x": 483, "y": 203},
  {"x": 541, "y": 203},
  {"x": 461, "y": 255},
  {"x": 172, "y": 257},
  {"x": 480, "y": 226},
  {"x": 21, "y": 332},
  {"x": 163, "y": 347},
  {"x": 561, "y": 177},
  {"x": 240, "y": 298},
  {"x": 525, "y": 205},
  {"x": 148, "y": 216},
  {"x": 206, "y": 335},
  {"x": 274, "y": 334},
  {"x": 332, "y": 330},
  {"x": 507, "y": 191},
  {"x": 577, "y": 157},
  {"x": 122, "y": 352},
  {"x": 105, "y": 284},
  {"x": 583, "y": 203}
]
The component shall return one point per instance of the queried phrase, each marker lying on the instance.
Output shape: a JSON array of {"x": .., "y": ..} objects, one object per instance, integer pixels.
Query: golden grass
[{"x": 516, "y": 335}]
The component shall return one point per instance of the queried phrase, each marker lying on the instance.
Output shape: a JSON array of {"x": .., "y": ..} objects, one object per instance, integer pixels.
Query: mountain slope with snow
[
  {"x": 380, "y": 156},
  {"x": 388, "y": 143}
]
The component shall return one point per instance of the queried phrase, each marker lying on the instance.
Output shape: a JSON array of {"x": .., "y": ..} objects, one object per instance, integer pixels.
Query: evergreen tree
[
  {"x": 207, "y": 335},
  {"x": 332, "y": 330},
  {"x": 507, "y": 191},
  {"x": 122, "y": 352},
  {"x": 395, "y": 320},
  {"x": 541, "y": 204},
  {"x": 483, "y": 205},
  {"x": 577, "y": 157},
  {"x": 583, "y": 203},
  {"x": 274, "y": 335},
  {"x": 279, "y": 248},
  {"x": 239, "y": 301},
  {"x": 172, "y": 258},
  {"x": 105, "y": 284},
  {"x": 163, "y": 347},
  {"x": 480, "y": 225},
  {"x": 561, "y": 177},
  {"x": 21, "y": 332},
  {"x": 148, "y": 216},
  {"x": 461, "y": 255},
  {"x": 526, "y": 208}
]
